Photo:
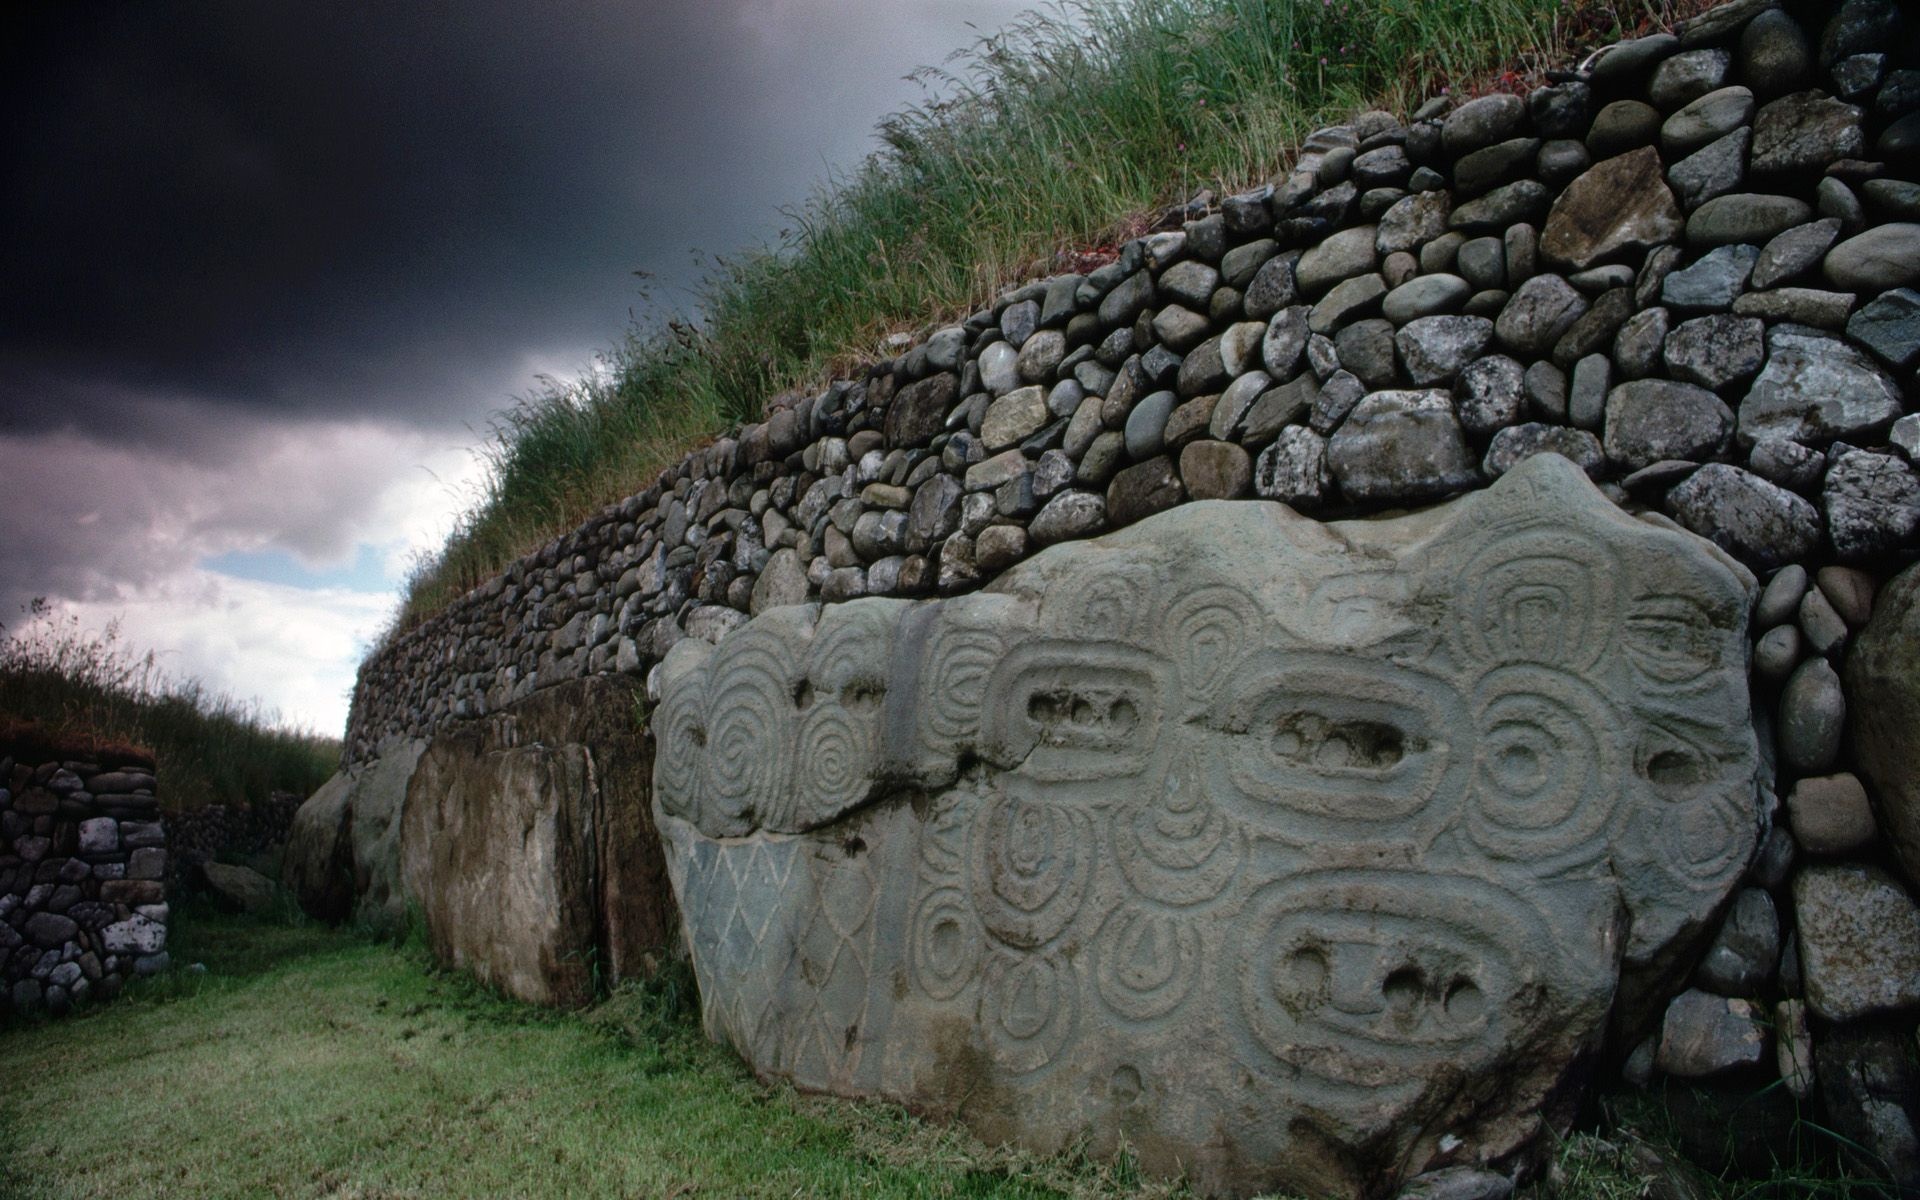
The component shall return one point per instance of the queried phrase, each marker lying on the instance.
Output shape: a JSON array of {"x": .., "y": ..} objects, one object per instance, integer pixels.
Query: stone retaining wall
[
  {"x": 83, "y": 868},
  {"x": 199, "y": 836},
  {"x": 1688, "y": 267}
]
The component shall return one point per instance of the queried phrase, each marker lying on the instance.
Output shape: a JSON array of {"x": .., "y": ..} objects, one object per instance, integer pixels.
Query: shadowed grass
[
  {"x": 1050, "y": 137},
  {"x": 209, "y": 747}
]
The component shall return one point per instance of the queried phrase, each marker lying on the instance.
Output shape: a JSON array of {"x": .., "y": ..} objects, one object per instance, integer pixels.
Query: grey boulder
[
  {"x": 1872, "y": 505},
  {"x": 1652, "y": 420},
  {"x": 1399, "y": 447},
  {"x": 1859, "y": 937},
  {"x": 1816, "y": 388},
  {"x": 1883, "y": 694},
  {"x": 1084, "y": 858},
  {"x": 1758, "y": 521}
]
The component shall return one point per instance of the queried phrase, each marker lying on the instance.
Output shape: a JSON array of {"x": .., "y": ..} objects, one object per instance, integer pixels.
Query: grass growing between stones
[
  {"x": 210, "y": 747},
  {"x": 1043, "y": 141},
  {"x": 307, "y": 1062}
]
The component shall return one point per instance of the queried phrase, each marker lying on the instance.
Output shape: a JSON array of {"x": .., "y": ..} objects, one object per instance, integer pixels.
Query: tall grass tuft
[
  {"x": 209, "y": 747},
  {"x": 1050, "y": 137}
]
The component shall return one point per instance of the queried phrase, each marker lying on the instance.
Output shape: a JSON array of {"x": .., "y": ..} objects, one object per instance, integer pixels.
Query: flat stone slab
[{"x": 1281, "y": 850}]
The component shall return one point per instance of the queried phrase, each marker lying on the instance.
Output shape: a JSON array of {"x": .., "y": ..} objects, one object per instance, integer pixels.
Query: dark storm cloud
[{"x": 322, "y": 210}]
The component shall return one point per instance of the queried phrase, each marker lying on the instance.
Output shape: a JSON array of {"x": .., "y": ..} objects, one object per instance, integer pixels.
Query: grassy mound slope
[
  {"x": 59, "y": 684},
  {"x": 1039, "y": 147}
]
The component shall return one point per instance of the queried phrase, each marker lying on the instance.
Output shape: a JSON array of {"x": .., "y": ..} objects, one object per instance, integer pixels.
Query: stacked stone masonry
[
  {"x": 83, "y": 865},
  {"x": 1689, "y": 267},
  {"x": 201, "y": 835}
]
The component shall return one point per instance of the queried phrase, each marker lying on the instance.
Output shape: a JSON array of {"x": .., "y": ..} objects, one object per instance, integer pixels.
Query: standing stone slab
[
  {"x": 343, "y": 852},
  {"x": 499, "y": 848},
  {"x": 529, "y": 849},
  {"x": 1296, "y": 855},
  {"x": 318, "y": 864}
]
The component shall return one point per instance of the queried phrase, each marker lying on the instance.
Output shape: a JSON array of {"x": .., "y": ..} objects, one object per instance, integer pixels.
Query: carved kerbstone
[{"x": 1294, "y": 854}]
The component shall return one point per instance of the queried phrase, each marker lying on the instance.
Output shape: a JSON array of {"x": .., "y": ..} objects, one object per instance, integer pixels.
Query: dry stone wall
[
  {"x": 198, "y": 836},
  {"x": 1688, "y": 267},
  {"x": 83, "y": 865}
]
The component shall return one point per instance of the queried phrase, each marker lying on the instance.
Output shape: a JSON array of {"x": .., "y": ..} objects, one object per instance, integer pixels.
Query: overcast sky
[{"x": 269, "y": 267}]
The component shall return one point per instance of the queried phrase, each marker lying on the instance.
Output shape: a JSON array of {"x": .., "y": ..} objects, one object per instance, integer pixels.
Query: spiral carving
[
  {"x": 750, "y": 733},
  {"x": 680, "y": 739},
  {"x": 833, "y": 765},
  {"x": 955, "y": 682}
]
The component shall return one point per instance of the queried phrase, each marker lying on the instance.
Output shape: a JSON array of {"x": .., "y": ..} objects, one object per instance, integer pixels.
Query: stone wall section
[
  {"x": 1689, "y": 266},
  {"x": 83, "y": 869},
  {"x": 199, "y": 836}
]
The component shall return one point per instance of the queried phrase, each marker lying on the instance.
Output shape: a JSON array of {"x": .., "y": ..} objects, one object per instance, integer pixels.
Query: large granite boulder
[
  {"x": 528, "y": 845},
  {"x": 499, "y": 849},
  {"x": 317, "y": 866},
  {"x": 377, "y": 793},
  {"x": 1295, "y": 855},
  {"x": 235, "y": 888},
  {"x": 1883, "y": 702},
  {"x": 343, "y": 850}
]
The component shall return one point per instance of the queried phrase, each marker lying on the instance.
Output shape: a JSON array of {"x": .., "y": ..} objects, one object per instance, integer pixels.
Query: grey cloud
[{"x": 334, "y": 208}]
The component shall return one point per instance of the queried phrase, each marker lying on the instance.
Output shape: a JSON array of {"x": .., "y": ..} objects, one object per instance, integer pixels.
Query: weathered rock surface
[
  {"x": 352, "y": 824},
  {"x": 1763, "y": 523},
  {"x": 528, "y": 845},
  {"x": 499, "y": 850},
  {"x": 1704, "y": 1034},
  {"x": 1651, "y": 420},
  {"x": 1816, "y": 388},
  {"x": 1883, "y": 696},
  {"x": 1084, "y": 856},
  {"x": 237, "y": 888},
  {"x": 1619, "y": 205},
  {"x": 1401, "y": 446},
  {"x": 317, "y": 866},
  {"x": 1859, "y": 941},
  {"x": 1870, "y": 1090}
]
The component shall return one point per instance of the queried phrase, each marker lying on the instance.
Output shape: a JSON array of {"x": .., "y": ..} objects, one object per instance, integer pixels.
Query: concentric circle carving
[
  {"x": 954, "y": 682},
  {"x": 1030, "y": 867},
  {"x": 1546, "y": 773},
  {"x": 1179, "y": 849},
  {"x": 833, "y": 764},
  {"x": 680, "y": 748},
  {"x": 1539, "y": 596},
  {"x": 1698, "y": 816},
  {"x": 1148, "y": 961},
  {"x": 852, "y": 647},
  {"x": 1030, "y": 1006},
  {"x": 944, "y": 952},
  {"x": 1209, "y": 629},
  {"x": 1112, "y": 603}
]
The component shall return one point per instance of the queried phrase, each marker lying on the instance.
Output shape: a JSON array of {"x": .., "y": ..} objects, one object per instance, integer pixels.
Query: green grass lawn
[{"x": 309, "y": 1062}]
